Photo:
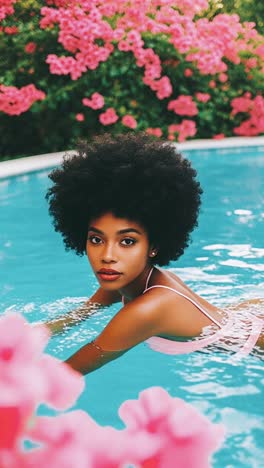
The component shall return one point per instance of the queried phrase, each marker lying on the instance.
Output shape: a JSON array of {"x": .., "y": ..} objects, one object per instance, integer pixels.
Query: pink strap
[{"x": 188, "y": 299}]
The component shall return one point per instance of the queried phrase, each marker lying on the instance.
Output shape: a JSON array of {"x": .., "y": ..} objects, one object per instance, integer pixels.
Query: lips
[{"x": 107, "y": 274}]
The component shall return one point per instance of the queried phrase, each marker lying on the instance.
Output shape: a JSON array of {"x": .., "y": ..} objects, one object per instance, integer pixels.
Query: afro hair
[{"x": 134, "y": 177}]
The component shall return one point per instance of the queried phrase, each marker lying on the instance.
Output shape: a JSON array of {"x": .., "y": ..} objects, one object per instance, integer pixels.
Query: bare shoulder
[
  {"x": 135, "y": 322},
  {"x": 144, "y": 308}
]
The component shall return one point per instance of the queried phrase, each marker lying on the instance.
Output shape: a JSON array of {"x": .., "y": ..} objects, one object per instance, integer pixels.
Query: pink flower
[
  {"x": 65, "y": 66},
  {"x": 14, "y": 101},
  {"x": 154, "y": 131},
  {"x": 254, "y": 125},
  {"x": 241, "y": 104},
  {"x": 96, "y": 101},
  {"x": 251, "y": 63},
  {"x": 75, "y": 439},
  {"x": 219, "y": 136},
  {"x": 260, "y": 51},
  {"x": 80, "y": 32},
  {"x": 108, "y": 117},
  {"x": 79, "y": 117},
  {"x": 164, "y": 88},
  {"x": 11, "y": 427},
  {"x": 23, "y": 345},
  {"x": 156, "y": 434},
  {"x": 188, "y": 72},
  {"x": 183, "y": 105},
  {"x": 22, "y": 361},
  {"x": 223, "y": 77},
  {"x": 187, "y": 128},
  {"x": 64, "y": 439},
  {"x": 30, "y": 47},
  {"x": 212, "y": 84},
  {"x": 6, "y": 8},
  {"x": 129, "y": 121},
  {"x": 203, "y": 97},
  {"x": 182, "y": 433},
  {"x": 11, "y": 30},
  {"x": 63, "y": 384}
]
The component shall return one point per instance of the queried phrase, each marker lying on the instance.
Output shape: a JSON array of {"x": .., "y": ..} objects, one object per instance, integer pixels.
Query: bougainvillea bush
[
  {"x": 160, "y": 431},
  {"x": 72, "y": 68}
]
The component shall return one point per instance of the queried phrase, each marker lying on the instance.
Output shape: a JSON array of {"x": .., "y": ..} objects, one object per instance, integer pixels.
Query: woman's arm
[
  {"x": 101, "y": 298},
  {"x": 133, "y": 324},
  {"x": 91, "y": 356}
]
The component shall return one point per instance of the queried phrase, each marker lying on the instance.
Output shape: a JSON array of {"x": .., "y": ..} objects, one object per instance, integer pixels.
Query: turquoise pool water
[{"x": 224, "y": 264}]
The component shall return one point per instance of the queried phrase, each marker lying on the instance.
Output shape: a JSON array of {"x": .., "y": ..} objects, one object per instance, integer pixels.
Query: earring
[{"x": 153, "y": 253}]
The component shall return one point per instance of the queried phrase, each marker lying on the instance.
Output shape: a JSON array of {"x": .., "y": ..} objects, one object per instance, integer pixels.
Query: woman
[{"x": 130, "y": 203}]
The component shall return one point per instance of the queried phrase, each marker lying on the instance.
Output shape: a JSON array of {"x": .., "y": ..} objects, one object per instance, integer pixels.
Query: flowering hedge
[
  {"x": 71, "y": 69},
  {"x": 160, "y": 432}
]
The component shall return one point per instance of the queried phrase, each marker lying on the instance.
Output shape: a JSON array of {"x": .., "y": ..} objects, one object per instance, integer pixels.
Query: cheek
[{"x": 140, "y": 254}]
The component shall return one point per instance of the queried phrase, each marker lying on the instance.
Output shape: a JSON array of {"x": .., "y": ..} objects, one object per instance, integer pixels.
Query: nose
[{"x": 109, "y": 254}]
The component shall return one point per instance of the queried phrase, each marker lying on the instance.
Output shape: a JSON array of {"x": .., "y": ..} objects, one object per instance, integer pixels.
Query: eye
[
  {"x": 94, "y": 240},
  {"x": 128, "y": 241}
]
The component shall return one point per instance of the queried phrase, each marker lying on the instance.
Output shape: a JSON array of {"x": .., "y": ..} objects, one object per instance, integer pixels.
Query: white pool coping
[{"x": 19, "y": 166}]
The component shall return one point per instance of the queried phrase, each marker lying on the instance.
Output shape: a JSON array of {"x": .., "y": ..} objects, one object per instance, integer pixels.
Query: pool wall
[{"x": 15, "y": 167}]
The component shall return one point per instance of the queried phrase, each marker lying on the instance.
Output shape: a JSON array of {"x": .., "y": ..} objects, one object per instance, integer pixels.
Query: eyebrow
[{"x": 122, "y": 231}]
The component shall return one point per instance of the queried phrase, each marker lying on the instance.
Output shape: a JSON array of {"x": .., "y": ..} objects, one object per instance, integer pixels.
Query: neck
[{"x": 136, "y": 288}]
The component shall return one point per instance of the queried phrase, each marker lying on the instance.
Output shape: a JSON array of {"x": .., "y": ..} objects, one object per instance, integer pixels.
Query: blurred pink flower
[
  {"x": 79, "y": 117},
  {"x": 63, "y": 384},
  {"x": 64, "y": 439},
  {"x": 75, "y": 439},
  {"x": 20, "y": 343},
  {"x": 160, "y": 429},
  {"x": 28, "y": 377},
  {"x": 187, "y": 128},
  {"x": 14, "y": 101},
  {"x": 219, "y": 136},
  {"x": 183, "y": 105},
  {"x": 108, "y": 117},
  {"x": 30, "y": 47},
  {"x": 188, "y": 72},
  {"x": 11, "y": 427},
  {"x": 154, "y": 131},
  {"x": 11, "y": 30},
  {"x": 241, "y": 104},
  {"x": 187, "y": 438},
  {"x": 260, "y": 51},
  {"x": 203, "y": 97},
  {"x": 6, "y": 8},
  {"x": 96, "y": 101},
  {"x": 129, "y": 121},
  {"x": 254, "y": 110},
  {"x": 223, "y": 77}
]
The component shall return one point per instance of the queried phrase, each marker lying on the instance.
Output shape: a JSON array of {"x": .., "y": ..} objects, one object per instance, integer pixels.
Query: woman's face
[{"x": 118, "y": 250}]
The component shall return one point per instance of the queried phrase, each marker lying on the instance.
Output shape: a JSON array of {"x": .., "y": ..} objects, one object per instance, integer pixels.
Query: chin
[{"x": 109, "y": 286}]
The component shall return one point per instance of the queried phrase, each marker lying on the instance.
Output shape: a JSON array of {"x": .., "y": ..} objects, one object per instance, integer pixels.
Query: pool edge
[{"x": 14, "y": 167}]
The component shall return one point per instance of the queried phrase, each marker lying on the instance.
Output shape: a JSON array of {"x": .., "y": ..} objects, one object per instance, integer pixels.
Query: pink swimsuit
[{"x": 167, "y": 346}]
